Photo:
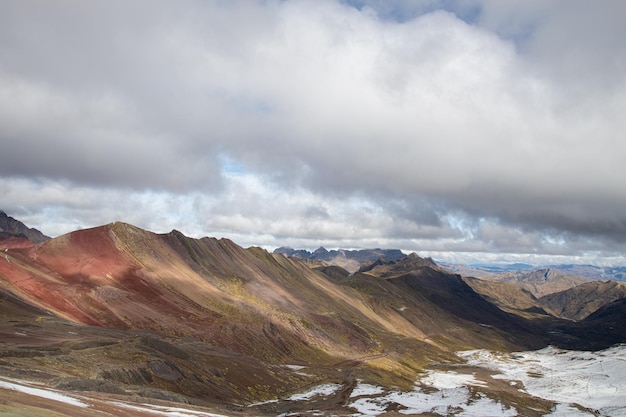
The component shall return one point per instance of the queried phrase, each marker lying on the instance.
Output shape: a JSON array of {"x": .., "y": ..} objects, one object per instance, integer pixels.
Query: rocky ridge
[
  {"x": 12, "y": 228},
  {"x": 350, "y": 260}
]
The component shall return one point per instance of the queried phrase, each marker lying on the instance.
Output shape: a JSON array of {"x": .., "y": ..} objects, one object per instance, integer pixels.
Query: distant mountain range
[
  {"x": 350, "y": 260},
  {"x": 616, "y": 273}
]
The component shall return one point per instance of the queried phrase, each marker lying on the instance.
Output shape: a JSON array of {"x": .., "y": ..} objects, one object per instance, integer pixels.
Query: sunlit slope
[
  {"x": 244, "y": 300},
  {"x": 510, "y": 297}
]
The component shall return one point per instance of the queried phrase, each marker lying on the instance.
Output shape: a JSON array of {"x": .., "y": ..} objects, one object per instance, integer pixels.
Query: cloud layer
[{"x": 436, "y": 126}]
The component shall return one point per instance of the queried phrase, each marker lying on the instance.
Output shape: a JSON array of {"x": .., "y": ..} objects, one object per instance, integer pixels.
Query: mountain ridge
[
  {"x": 350, "y": 260},
  {"x": 13, "y": 228},
  {"x": 579, "y": 302},
  {"x": 493, "y": 271}
]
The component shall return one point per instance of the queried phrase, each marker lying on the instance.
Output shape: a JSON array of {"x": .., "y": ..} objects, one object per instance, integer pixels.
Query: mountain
[
  {"x": 12, "y": 228},
  {"x": 580, "y": 301},
  {"x": 593, "y": 272},
  {"x": 613, "y": 273},
  {"x": 539, "y": 281},
  {"x": 129, "y": 313},
  {"x": 486, "y": 270},
  {"x": 243, "y": 301},
  {"x": 350, "y": 260},
  {"x": 511, "y": 297},
  {"x": 542, "y": 281},
  {"x": 603, "y": 325},
  {"x": 390, "y": 268}
]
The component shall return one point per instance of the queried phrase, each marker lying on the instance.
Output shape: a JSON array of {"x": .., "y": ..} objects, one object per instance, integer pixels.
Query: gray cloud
[{"x": 465, "y": 125}]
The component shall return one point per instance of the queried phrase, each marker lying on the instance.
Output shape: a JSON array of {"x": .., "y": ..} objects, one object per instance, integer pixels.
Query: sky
[{"x": 465, "y": 130}]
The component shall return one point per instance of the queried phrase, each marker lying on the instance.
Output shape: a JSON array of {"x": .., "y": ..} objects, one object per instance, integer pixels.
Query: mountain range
[
  {"x": 519, "y": 270},
  {"x": 350, "y": 260},
  {"x": 135, "y": 315}
]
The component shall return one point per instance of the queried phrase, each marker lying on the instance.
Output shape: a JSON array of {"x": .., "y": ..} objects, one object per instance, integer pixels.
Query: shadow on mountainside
[{"x": 450, "y": 293}]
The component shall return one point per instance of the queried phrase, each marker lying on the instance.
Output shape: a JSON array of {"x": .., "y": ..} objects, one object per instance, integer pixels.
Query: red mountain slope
[{"x": 245, "y": 300}]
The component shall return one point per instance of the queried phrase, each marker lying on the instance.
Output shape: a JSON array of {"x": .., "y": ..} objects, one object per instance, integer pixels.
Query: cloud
[{"x": 441, "y": 125}]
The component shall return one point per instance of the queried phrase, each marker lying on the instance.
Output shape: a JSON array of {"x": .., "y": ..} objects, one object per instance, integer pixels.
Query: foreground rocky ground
[
  {"x": 51, "y": 367},
  {"x": 548, "y": 383}
]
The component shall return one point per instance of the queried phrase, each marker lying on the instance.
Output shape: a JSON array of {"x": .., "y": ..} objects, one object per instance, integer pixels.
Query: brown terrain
[
  {"x": 117, "y": 313},
  {"x": 578, "y": 302},
  {"x": 542, "y": 282}
]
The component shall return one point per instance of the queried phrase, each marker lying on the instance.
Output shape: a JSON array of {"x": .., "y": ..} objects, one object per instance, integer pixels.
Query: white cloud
[{"x": 446, "y": 126}]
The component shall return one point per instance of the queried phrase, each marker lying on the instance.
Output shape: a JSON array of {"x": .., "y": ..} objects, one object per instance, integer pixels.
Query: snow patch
[
  {"x": 362, "y": 389},
  {"x": 449, "y": 379},
  {"x": 451, "y": 395},
  {"x": 166, "y": 411},
  {"x": 320, "y": 390},
  {"x": 295, "y": 367},
  {"x": 43, "y": 393},
  {"x": 563, "y": 410},
  {"x": 595, "y": 380},
  {"x": 262, "y": 403},
  {"x": 446, "y": 401}
]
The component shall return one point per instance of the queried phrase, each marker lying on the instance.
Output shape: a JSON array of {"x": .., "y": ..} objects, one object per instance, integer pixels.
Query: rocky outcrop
[
  {"x": 10, "y": 227},
  {"x": 83, "y": 384},
  {"x": 136, "y": 376}
]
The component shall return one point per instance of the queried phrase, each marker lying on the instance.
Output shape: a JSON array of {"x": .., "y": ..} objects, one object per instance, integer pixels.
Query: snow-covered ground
[
  {"x": 166, "y": 411},
  {"x": 85, "y": 402},
  {"x": 321, "y": 390},
  {"x": 41, "y": 392},
  {"x": 443, "y": 393},
  {"x": 596, "y": 380}
]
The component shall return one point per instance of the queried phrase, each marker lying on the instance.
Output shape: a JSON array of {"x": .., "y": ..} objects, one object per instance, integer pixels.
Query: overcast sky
[{"x": 465, "y": 130}]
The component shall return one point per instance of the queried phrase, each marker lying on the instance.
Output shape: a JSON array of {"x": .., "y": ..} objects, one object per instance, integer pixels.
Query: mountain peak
[
  {"x": 351, "y": 260},
  {"x": 320, "y": 251},
  {"x": 10, "y": 227},
  {"x": 390, "y": 268}
]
